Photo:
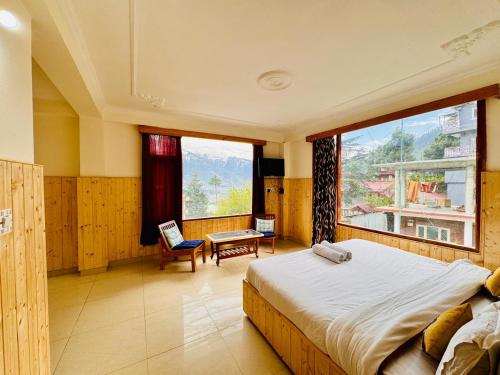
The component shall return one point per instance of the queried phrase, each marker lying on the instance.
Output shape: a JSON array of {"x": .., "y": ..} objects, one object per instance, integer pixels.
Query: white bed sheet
[{"x": 312, "y": 291}]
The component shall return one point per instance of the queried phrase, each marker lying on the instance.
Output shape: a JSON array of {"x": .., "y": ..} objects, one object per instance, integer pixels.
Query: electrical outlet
[{"x": 5, "y": 221}]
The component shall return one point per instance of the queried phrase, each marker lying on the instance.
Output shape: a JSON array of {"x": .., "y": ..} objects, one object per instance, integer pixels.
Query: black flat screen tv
[{"x": 271, "y": 167}]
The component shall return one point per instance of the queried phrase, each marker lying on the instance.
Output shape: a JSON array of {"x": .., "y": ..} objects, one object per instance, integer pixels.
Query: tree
[
  {"x": 196, "y": 199},
  {"x": 436, "y": 149},
  {"x": 401, "y": 147},
  {"x": 215, "y": 181},
  {"x": 237, "y": 201}
]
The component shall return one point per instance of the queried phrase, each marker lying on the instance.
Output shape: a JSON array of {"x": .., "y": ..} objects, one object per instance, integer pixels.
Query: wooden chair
[
  {"x": 268, "y": 236},
  {"x": 190, "y": 248}
]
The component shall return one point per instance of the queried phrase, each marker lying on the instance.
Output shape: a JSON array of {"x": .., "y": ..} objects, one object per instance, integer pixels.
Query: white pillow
[
  {"x": 480, "y": 336},
  {"x": 174, "y": 236},
  {"x": 264, "y": 225}
]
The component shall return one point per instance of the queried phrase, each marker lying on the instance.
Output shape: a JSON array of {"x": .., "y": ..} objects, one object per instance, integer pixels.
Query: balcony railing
[
  {"x": 459, "y": 151},
  {"x": 450, "y": 123}
]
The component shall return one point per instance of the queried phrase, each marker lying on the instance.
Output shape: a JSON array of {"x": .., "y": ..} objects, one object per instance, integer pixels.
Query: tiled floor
[{"x": 136, "y": 319}]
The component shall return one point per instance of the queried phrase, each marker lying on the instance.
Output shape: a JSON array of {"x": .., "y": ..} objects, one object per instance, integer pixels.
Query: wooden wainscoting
[
  {"x": 109, "y": 221},
  {"x": 61, "y": 223},
  {"x": 24, "y": 323},
  {"x": 297, "y": 210},
  {"x": 198, "y": 229},
  {"x": 274, "y": 201}
]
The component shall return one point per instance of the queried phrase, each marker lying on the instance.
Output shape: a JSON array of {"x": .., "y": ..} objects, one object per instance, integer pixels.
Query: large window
[
  {"x": 415, "y": 176},
  {"x": 217, "y": 178}
]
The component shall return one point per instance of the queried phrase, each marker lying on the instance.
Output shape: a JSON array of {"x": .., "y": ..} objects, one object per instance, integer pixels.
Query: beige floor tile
[
  {"x": 205, "y": 356},
  {"x": 104, "y": 350},
  {"x": 250, "y": 350},
  {"x": 163, "y": 300},
  {"x": 69, "y": 295},
  {"x": 69, "y": 280},
  {"x": 187, "y": 323},
  {"x": 225, "y": 308},
  {"x": 56, "y": 351},
  {"x": 140, "y": 368},
  {"x": 62, "y": 321},
  {"x": 170, "y": 328},
  {"x": 108, "y": 311},
  {"x": 115, "y": 286},
  {"x": 121, "y": 270}
]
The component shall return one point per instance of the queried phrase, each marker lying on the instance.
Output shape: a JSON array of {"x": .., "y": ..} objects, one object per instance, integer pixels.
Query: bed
[{"x": 357, "y": 317}]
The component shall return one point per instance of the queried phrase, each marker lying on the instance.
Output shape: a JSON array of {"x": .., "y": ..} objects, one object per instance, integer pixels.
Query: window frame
[
  {"x": 480, "y": 165},
  {"x": 231, "y": 139}
]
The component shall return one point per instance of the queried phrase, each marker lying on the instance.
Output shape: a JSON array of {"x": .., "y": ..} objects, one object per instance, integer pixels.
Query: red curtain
[
  {"x": 161, "y": 184},
  {"x": 258, "y": 202}
]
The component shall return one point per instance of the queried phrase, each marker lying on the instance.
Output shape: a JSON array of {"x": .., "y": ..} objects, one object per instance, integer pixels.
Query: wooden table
[{"x": 233, "y": 244}]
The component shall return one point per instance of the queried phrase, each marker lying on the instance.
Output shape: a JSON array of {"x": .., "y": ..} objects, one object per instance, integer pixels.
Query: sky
[
  {"x": 418, "y": 125},
  {"x": 217, "y": 149}
]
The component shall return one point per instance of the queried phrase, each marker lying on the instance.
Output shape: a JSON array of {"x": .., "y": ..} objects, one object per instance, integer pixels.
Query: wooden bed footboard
[{"x": 294, "y": 348}]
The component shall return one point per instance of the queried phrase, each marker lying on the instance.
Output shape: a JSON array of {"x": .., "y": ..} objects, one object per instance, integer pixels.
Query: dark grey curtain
[{"x": 324, "y": 189}]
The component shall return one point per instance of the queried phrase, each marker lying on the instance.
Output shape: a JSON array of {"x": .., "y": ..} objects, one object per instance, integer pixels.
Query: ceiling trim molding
[
  {"x": 302, "y": 129},
  {"x": 461, "y": 45},
  {"x": 195, "y": 123},
  {"x": 64, "y": 16},
  {"x": 189, "y": 133}
]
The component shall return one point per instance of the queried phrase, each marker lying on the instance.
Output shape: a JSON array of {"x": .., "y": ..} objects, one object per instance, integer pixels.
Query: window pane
[
  {"x": 432, "y": 233},
  {"x": 418, "y": 171},
  {"x": 217, "y": 178}
]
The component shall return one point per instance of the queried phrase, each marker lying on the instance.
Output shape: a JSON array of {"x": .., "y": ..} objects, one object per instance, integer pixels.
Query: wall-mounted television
[{"x": 271, "y": 167}]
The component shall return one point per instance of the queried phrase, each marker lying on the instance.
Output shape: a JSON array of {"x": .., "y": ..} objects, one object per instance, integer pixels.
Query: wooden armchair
[
  {"x": 190, "y": 248},
  {"x": 268, "y": 236}
]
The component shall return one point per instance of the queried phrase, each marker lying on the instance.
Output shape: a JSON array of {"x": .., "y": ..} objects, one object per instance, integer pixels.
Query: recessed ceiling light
[
  {"x": 8, "y": 20},
  {"x": 275, "y": 80}
]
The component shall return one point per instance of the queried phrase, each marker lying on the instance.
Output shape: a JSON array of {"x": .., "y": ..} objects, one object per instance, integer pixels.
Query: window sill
[
  {"x": 215, "y": 217},
  {"x": 416, "y": 239}
]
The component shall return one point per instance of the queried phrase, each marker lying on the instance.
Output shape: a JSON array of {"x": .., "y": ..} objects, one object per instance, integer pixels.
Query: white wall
[
  {"x": 122, "y": 150},
  {"x": 16, "y": 107},
  {"x": 298, "y": 159},
  {"x": 493, "y": 135},
  {"x": 109, "y": 148},
  {"x": 273, "y": 150}
]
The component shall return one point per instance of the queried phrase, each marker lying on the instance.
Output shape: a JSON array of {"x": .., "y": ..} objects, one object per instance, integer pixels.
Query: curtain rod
[{"x": 143, "y": 129}]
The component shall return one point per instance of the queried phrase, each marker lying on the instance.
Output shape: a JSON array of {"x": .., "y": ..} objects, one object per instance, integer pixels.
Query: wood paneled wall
[
  {"x": 274, "y": 201},
  {"x": 24, "y": 342},
  {"x": 61, "y": 223},
  {"x": 92, "y": 221},
  {"x": 297, "y": 210},
  {"x": 198, "y": 229},
  {"x": 109, "y": 221},
  {"x": 297, "y": 224}
]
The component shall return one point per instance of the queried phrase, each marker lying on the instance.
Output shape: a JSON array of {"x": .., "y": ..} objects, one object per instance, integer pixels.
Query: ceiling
[{"x": 202, "y": 59}]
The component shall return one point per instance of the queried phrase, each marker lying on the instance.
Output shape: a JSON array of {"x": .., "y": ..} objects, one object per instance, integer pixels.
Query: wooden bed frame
[{"x": 295, "y": 349}]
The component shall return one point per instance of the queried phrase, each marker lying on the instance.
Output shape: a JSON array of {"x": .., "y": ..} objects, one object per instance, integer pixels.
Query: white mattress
[{"x": 311, "y": 291}]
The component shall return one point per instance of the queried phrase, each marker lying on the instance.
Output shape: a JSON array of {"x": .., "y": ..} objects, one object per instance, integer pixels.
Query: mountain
[
  {"x": 424, "y": 141},
  {"x": 232, "y": 170}
]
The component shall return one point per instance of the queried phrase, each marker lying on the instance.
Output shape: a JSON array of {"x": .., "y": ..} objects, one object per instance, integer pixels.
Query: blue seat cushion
[
  {"x": 268, "y": 234},
  {"x": 187, "y": 244}
]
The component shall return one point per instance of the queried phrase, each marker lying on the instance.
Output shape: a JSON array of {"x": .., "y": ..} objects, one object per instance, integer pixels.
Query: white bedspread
[{"x": 312, "y": 291}]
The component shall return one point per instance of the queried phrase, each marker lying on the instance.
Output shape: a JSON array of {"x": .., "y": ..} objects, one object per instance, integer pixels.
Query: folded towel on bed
[
  {"x": 328, "y": 253},
  {"x": 340, "y": 249}
]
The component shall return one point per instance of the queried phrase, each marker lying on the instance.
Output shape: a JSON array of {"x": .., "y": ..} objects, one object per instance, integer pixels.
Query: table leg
[
  {"x": 217, "y": 251},
  {"x": 256, "y": 248},
  {"x": 211, "y": 250}
]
